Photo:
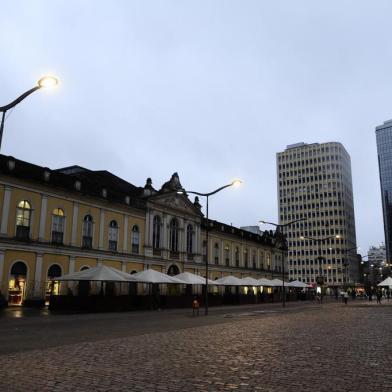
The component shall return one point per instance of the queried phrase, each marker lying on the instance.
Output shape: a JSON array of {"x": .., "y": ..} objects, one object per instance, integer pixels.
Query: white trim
[
  {"x": 74, "y": 231},
  {"x": 42, "y": 220},
  {"x": 125, "y": 236},
  {"x": 38, "y": 275},
  {"x": 101, "y": 228},
  {"x": 5, "y": 211},
  {"x": 71, "y": 266}
]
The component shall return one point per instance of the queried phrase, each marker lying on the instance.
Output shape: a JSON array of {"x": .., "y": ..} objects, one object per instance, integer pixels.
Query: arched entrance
[
  {"x": 17, "y": 284},
  {"x": 52, "y": 287}
]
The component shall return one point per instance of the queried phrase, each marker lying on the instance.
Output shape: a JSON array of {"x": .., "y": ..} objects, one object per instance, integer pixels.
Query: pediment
[{"x": 175, "y": 202}]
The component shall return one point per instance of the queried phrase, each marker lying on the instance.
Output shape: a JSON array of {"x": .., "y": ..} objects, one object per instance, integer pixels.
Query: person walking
[
  {"x": 379, "y": 296},
  {"x": 345, "y": 297},
  {"x": 195, "y": 307}
]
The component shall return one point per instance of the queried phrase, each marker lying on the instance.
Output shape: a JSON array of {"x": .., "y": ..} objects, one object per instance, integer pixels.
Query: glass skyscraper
[{"x": 384, "y": 151}]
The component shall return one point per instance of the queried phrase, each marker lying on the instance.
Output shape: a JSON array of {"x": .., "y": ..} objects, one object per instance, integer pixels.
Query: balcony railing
[
  {"x": 23, "y": 232},
  {"x": 57, "y": 237},
  {"x": 87, "y": 242}
]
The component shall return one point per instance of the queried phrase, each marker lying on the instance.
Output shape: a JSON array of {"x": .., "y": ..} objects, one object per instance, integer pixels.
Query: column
[
  {"x": 75, "y": 224},
  {"x": 101, "y": 228},
  {"x": 42, "y": 219},
  {"x": 165, "y": 244},
  {"x": 5, "y": 211},
  {"x": 123, "y": 267},
  {"x": 2, "y": 289},
  {"x": 38, "y": 276},
  {"x": 71, "y": 268},
  {"x": 125, "y": 238},
  {"x": 222, "y": 259}
]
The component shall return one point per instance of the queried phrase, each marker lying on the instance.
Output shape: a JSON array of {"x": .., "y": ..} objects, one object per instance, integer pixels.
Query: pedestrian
[
  {"x": 388, "y": 295},
  {"x": 379, "y": 296},
  {"x": 195, "y": 307},
  {"x": 345, "y": 297}
]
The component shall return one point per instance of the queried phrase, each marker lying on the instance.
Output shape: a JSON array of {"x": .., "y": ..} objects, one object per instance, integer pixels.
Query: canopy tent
[
  {"x": 152, "y": 276},
  {"x": 278, "y": 283},
  {"x": 249, "y": 281},
  {"x": 265, "y": 282},
  {"x": 229, "y": 281},
  {"x": 193, "y": 279},
  {"x": 386, "y": 282},
  {"x": 298, "y": 284},
  {"x": 101, "y": 273}
]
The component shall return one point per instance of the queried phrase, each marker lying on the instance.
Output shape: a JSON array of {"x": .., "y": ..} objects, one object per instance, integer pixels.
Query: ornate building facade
[{"x": 55, "y": 222}]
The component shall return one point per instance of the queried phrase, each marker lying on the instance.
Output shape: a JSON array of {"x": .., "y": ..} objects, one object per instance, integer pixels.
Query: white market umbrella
[
  {"x": 152, "y": 276},
  {"x": 190, "y": 278},
  {"x": 229, "y": 281},
  {"x": 249, "y": 281},
  {"x": 297, "y": 284},
  {"x": 265, "y": 282},
  {"x": 101, "y": 273},
  {"x": 386, "y": 282},
  {"x": 278, "y": 282}
]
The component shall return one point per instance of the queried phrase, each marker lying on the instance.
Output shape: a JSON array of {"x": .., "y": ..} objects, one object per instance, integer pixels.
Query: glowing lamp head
[
  {"x": 48, "y": 82},
  {"x": 338, "y": 236},
  {"x": 302, "y": 237},
  {"x": 236, "y": 183}
]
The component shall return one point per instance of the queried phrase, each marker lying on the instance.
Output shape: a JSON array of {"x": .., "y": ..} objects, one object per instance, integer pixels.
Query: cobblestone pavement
[{"x": 326, "y": 348}]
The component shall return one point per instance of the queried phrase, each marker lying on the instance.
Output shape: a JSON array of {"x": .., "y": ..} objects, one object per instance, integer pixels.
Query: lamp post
[
  {"x": 284, "y": 247},
  {"x": 44, "y": 82},
  {"x": 207, "y": 195},
  {"x": 319, "y": 242}
]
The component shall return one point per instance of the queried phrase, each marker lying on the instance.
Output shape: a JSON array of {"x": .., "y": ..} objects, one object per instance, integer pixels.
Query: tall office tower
[
  {"x": 314, "y": 184},
  {"x": 384, "y": 151}
]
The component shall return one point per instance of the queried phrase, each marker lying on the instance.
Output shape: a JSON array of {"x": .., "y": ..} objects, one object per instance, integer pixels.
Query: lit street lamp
[
  {"x": 45, "y": 82},
  {"x": 207, "y": 195},
  {"x": 285, "y": 247}
]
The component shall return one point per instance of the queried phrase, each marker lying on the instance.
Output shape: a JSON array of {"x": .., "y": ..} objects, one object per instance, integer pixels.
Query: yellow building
[{"x": 55, "y": 222}]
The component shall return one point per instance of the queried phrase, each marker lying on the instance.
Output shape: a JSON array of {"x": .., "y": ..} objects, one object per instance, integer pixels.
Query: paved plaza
[{"x": 306, "y": 347}]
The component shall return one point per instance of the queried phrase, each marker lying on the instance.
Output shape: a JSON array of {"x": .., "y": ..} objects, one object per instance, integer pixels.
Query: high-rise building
[
  {"x": 384, "y": 151},
  {"x": 314, "y": 184},
  {"x": 378, "y": 266}
]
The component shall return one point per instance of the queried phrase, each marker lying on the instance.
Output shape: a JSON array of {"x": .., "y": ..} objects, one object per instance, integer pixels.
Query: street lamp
[
  {"x": 44, "y": 82},
  {"x": 285, "y": 247},
  {"x": 319, "y": 241},
  {"x": 234, "y": 183}
]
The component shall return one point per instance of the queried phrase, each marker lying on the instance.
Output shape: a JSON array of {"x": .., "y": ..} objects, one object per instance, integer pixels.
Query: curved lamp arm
[{"x": 19, "y": 99}]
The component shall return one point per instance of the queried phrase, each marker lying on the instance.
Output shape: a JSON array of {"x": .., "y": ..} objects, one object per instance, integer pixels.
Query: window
[
  {"x": 216, "y": 253},
  {"x": 246, "y": 258},
  {"x": 113, "y": 235},
  {"x": 204, "y": 250},
  {"x": 156, "y": 232},
  {"x": 87, "y": 236},
  {"x": 254, "y": 260},
  {"x": 237, "y": 257},
  {"x": 23, "y": 219},
  {"x": 227, "y": 254},
  {"x": 135, "y": 239},
  {"x": 189, "y": 239},
  {"x": 173, "y": 235},
  {"x": 58, "y": 219}
]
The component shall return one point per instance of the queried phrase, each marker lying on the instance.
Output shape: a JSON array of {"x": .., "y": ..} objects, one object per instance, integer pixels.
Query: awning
[
  {"x": 152, "y": 276},
  {"x": 265, "y": 282},
  {"x": 193, "y": 279},
  {"x": 298, "y": 284},
  {"x": 249, "y": 281},
  {"x": 229, "y": 281},
  {"x": 386, "y": 282},
  {"x": 101, "y": 273}
]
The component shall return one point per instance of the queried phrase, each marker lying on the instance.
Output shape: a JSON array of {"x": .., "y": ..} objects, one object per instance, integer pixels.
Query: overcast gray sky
[{"x": 211, "y": 89}]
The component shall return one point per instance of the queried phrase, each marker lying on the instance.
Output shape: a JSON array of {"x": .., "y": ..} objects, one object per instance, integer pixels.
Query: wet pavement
[{"x": 305, "y": 347}]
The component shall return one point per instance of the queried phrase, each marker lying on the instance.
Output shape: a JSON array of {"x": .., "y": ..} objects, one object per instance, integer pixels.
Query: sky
[{"x": 209, "y": 89}]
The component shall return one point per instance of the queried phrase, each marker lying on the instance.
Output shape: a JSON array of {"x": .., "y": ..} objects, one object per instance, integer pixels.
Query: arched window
[
  {"x": 246, "y": 258},
  {"x": 174, "y": 235},
  {"x": 227, "y": 254},
  {"x": 156, "y": 232},
  {"x": 262, "y": 260},
  {"x": 254, "y": 259},
  {"x": 23, "y": 219},
  {"x": 58, "y": 226},
  {"x": 216, "y": 253},
  {"x": 54, "y": 271},
  {"x": 189, "y": 239},
  {"x": 135, "y": 239},
  {"x": 237, "y": 257},
  {"x": 84, "y": 268},
  {"x": 113, "y": 235},
  {"x": 173, "y": 270},
  {"x": 87, "y": 239}
]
